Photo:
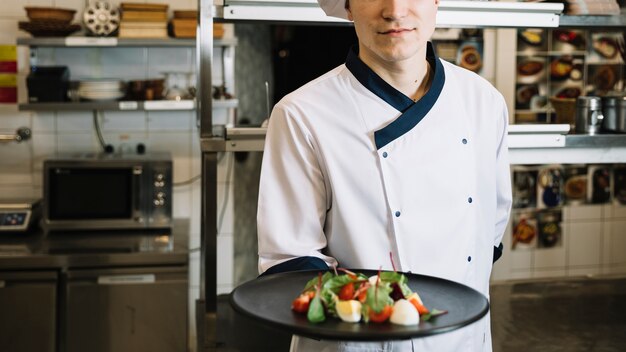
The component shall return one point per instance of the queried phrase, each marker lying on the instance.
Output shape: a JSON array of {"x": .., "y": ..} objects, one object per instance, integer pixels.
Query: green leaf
[
  {"x": 310, "y": 285},
  {"x": 392, "y": 276},
  {"x": 336, "y": 283},
  {"x": 378, "y": 296},
  {"x": 316, "y": 310},
  {"x": 330, "y": 300},
  {"x": 406, "y": 290},
  {"x": 433, "y": 314}
]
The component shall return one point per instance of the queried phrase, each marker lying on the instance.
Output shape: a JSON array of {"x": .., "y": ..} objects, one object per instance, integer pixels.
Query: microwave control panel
[{"x": 161, "y": 197}]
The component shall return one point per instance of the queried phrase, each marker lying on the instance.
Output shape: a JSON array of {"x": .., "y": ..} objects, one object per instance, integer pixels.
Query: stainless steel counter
[{"x": 40, "y": 250}]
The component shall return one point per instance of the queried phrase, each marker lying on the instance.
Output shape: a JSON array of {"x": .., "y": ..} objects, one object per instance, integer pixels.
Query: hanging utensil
[{"x": 22, "y": 134}]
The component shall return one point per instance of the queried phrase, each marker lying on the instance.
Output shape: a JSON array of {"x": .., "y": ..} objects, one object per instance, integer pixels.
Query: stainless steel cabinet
[
  {"x": 136, "y": 309},
  {"x": 28, "y": 311}
]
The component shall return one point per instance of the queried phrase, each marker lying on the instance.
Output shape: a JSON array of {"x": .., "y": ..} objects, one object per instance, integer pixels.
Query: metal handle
[
  {"x": 22, "y": 134},
  {"x": 126, "y": 279}
]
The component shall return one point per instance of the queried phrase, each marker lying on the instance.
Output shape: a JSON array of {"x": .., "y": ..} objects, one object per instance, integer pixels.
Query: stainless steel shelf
[
  {"x": 598, "y": 141},
  {"x": 116, "y": 42},
  {"x": 615, "y": 22},
  {"x": 598, "y": 149},
  {"x": 450, "y": 14},
  {"x": 153, "y": 105}
]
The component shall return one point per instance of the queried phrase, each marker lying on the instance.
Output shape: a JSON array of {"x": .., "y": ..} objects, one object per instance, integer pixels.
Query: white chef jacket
[{"x": 354, "y": 170}]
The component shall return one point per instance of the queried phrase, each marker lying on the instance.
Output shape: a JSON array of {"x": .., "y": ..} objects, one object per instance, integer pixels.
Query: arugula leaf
[
  {"x": 336, "y": 283},
  {"x": 310, "y": 285},
  {"x": 392, "y": 276},
  {"x": 378, "y": 296}
]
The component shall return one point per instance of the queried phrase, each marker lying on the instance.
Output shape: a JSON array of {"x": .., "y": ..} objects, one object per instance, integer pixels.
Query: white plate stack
[{"x": 101, "y": 89}]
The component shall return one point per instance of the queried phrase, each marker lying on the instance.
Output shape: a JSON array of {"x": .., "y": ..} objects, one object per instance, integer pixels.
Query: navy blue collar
[{"x": 412, "y": 112}]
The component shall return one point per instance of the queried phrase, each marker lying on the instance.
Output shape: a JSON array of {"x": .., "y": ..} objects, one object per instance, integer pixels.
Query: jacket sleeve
[
  {"x": 292, "y": 201},
  {"x": 503, "y": 181}
]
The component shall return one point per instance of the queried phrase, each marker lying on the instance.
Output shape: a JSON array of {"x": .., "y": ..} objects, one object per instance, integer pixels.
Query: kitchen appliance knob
[
  {"x": 160, "y": 177},
  {"x": 160, "y": 195}
]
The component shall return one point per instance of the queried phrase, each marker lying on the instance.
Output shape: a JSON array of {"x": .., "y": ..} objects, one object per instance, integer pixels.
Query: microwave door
[{"x": 94, "y": 197}]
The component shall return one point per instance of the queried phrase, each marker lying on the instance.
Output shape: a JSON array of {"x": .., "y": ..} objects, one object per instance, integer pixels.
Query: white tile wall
[
  {"x": 13, "y": 119},
  {"x": 8, "y": 26},
  {"x": 158, "y": 121},
  {"x": 616, "y": 241},
  {"x": 72, "y": 121},
  {"x": 79, "y": 142},
  {"x": 550, "y": 258},
  {"x": 44, "y": 146},
  {"x": 44, "y": 121},
  {"x": 582, "y": 212},
  {"x": 123, "y": 121},
  {"x": 594, "y": 243},
  {"x": 225, "y": 263},
  {"x": 19, "y": 191},
  {"x": 584, "y": 243},
  {"x": 617, "y": 212},
  {"x": 16, "y": 165},
  {"x": 182, "y": 202}
]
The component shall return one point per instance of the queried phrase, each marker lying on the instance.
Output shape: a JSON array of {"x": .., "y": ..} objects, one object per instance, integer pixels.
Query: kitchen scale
[{"x": 16, "y": 215}]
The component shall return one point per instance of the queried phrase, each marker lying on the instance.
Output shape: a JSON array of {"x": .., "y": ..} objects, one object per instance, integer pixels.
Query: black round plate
[{"x": 269, "y": 298}]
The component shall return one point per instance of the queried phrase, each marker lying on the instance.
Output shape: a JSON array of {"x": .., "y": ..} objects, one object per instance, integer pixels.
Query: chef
[{"x": 395, "y": 153}]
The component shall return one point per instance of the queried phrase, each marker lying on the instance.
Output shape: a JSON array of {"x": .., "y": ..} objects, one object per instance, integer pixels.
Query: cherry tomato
[
  {"x": 362, "y": 296},
  {"x": 347, "y": 292},
  {"x": 419, "y": 306},
  {"x": 361, "y": 293},
  {"x": 301, "y": 304},
  {"x": 382, "y": 316}
]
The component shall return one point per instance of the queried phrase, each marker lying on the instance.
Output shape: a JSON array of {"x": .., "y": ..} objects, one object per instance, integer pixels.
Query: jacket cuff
[
  {"x": 297, "y": 264},
  {"x": 497, "y": 252}
]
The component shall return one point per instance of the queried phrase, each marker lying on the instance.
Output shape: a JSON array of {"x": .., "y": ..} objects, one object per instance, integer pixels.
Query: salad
[{"x": 353, "y": 297}]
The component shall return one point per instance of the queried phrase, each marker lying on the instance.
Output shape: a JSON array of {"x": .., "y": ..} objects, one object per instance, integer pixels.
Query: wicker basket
[
  {"x": 565, "y": 109},
  {"x": 49, "y": 14}
]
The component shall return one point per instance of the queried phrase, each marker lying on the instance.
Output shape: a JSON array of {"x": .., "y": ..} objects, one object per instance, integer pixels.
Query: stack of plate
[{"x": 102, "y": 89}]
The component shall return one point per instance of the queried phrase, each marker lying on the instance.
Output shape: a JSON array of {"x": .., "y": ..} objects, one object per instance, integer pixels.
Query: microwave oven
[{"x": 107, "y": 191}]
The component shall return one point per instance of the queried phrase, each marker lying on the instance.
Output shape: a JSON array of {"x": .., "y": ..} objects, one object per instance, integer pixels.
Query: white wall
[{"x": 58, "y": 132}]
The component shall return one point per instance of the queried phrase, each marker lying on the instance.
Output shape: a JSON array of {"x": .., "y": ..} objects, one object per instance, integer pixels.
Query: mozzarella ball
[{"x": 404, "y": 313}]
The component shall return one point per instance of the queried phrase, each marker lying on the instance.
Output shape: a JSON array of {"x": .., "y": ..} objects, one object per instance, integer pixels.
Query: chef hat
[{"x": 335, "y": 8}]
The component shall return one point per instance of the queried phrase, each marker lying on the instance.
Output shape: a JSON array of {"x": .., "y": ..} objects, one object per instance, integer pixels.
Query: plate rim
[{"x": 302, "y": 331}]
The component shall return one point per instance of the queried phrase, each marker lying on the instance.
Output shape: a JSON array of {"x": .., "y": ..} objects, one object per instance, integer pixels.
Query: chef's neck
[{"x": 412, "y": 76}]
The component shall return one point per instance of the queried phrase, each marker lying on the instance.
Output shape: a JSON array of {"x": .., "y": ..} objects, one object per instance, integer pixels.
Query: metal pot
[
  {"x": 588, "y": 115},
  {"x": 614, "y": 111}
]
